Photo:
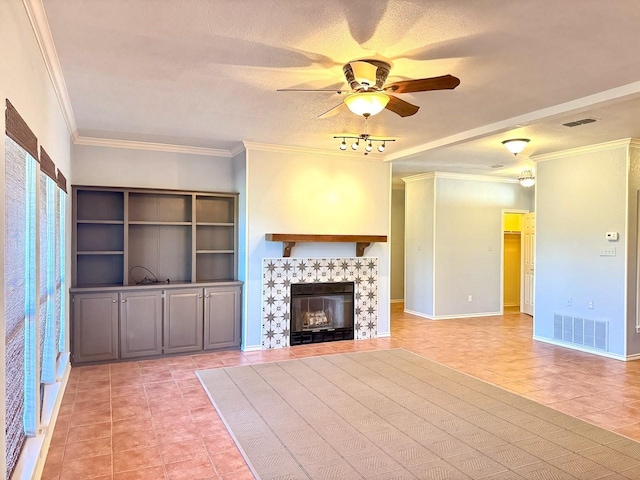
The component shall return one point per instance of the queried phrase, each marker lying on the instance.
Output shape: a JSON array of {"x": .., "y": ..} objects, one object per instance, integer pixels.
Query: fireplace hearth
[{"x": 321, "y": 312}]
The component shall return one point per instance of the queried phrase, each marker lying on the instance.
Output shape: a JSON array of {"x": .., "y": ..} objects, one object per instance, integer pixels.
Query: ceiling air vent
[{"x": 577, "y": 123}]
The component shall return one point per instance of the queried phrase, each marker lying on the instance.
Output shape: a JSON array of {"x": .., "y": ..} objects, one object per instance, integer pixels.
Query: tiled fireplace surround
[{"x": 279, "y": 273}]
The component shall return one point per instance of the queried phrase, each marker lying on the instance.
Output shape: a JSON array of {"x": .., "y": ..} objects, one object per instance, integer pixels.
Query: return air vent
[
  {"x": 581, "y": 331},
  {"x": 577, "y": 123}
]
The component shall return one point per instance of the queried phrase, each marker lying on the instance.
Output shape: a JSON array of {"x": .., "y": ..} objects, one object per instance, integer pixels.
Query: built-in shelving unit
[{"x": 179, "y": 236}]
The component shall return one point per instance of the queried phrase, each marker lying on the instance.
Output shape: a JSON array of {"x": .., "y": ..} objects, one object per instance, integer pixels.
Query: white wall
[
  {"x": 122, "y": 167},
  {"x": 291, "y": 192},
  {"x": 25, "y": 82},
  {"x": 419, "y": 239},
  {"x": 397, "y": 244},
  {"x": 633, "y": 339},
  {"x": 240, "y": 186},
  {"x": 580, "y": 197},
  {"x": 468, "y": 240},
  {"x": 453, "y": 238}
]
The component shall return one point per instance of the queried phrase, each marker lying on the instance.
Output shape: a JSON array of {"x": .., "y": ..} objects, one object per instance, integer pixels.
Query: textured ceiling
[{"x": 205, "y": 73}]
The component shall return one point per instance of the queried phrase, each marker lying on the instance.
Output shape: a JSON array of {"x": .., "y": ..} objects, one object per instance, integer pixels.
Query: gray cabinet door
[
  {"x": 95, "y": 327},
  {"x": 221, "y": 317},
  {"x": 140, "y": 324},
  {"x": 183, "y": 320}
]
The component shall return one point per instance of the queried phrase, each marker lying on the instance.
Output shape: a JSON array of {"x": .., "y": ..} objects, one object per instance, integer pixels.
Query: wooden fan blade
[
  {"x": 332, "y": 111},
  {"x": 400, "y": 107},
  {"x": 311, "y": 90},
  {"x": 445, "y": 82}
]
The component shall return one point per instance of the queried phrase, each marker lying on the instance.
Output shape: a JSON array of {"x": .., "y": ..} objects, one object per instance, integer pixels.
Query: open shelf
[
  {"x": 100, "y": 222},
  {"x": 142, "y": 222},
  {"x": 211, "y": 209},
  {"x": 215, "y": 251},
  {"x": 159, "y": 208},
  {"x": 101, "y": 252},
  {"x": 96, "y": 205},
  {"x": 177, "y": 235}
]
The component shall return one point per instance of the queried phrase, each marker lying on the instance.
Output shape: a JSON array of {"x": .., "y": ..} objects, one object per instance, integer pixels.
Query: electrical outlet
[
  {"x": 590, "y": 304},
  {"x": 569, "y": 302},
  {"x": 471, "y": 298}
]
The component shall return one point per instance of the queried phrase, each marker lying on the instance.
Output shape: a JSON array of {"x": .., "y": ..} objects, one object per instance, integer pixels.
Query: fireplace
[
  {"x": 278, "y": 276},
  {"x": 321, "y": 312}
]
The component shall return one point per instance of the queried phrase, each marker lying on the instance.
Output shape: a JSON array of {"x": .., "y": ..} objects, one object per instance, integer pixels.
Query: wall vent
[
  {"x": 577, "y": 123},
  {"x": 581, "y": 331}
]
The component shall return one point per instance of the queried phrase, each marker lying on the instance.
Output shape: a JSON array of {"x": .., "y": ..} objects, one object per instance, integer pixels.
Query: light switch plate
[{"x": 608, "y": 252}]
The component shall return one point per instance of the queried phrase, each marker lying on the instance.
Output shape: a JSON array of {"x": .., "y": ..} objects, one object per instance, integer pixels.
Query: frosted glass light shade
[
  {"x": 526, "y": 178},
  {"x": 367, "y": 103},
  {"x": 364, "y": 73},
  {"x": 516, "y": 145}
]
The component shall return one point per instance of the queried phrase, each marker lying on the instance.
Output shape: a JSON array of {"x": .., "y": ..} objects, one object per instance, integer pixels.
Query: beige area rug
[{"x": 392, "y": 414}]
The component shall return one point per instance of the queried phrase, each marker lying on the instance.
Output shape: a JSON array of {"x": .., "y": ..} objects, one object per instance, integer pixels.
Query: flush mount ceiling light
[
  {"x": 368, "y": 141},
  {"x": 367, "y": 103},
  {"x": 527, "y": 178},
  {"x": 516, "y": 145}
]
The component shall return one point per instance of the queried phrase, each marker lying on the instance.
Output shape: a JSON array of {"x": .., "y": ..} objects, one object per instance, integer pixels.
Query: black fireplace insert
[{"x": 321, "y": 312}]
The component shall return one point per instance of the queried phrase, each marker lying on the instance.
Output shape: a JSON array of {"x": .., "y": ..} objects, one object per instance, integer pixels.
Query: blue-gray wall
[{"x": 580, "y": 197}]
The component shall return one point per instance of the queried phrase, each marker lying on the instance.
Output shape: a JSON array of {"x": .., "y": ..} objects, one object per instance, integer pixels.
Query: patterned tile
[{"x": 279, "y": 273}]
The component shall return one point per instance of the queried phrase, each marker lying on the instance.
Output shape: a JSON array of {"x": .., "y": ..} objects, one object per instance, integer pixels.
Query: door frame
[{"x": 509, "y": 210}]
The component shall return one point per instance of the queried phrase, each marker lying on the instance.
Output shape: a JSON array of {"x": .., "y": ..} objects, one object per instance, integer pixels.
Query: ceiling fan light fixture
[
  {"x": 364, "y": 73},
  {"x": 366, "y": 103},
  {"x": 527, "y": 178},
  {"x": 516, "y": 145}
]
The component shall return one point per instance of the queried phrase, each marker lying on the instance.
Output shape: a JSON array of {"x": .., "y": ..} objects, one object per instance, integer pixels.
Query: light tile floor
[{"x": 152, "y": 420}]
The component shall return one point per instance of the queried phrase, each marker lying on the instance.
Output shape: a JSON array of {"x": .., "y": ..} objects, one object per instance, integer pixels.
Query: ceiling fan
[{"x": 369, "y": 95}]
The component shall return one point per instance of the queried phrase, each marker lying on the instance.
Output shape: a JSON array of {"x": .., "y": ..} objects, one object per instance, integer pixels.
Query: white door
[{"x": 528, "y": 249}]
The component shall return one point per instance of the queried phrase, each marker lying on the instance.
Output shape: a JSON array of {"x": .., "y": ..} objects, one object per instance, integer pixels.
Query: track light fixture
[{"x": 368, "y": 140}]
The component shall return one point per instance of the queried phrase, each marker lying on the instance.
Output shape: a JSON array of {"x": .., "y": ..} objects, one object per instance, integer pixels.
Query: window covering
[
  {"x": 18, "y": 130},
  {"x": 62, "y": 182},
  {"x": 46, "y": 165},
  {"x": 15, "y": 276},
  {"x": 61, "y": 250}
]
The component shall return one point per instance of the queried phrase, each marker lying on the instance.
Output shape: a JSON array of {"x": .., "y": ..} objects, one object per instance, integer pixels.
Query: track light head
[{"x": 343, "y": 145}]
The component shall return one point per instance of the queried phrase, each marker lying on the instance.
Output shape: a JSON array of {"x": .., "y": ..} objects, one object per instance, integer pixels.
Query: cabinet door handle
[
  {"x": 206, "y": 296},
  {"x": 124, "y": 300},
  {"x": 114, "y": 301},
  {"x": 200, "y": 296}
]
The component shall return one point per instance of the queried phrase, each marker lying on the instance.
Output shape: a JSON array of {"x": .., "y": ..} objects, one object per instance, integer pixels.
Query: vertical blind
[
  {"x": 34, "y": 280},
  {"x": 15, "y": 294}
]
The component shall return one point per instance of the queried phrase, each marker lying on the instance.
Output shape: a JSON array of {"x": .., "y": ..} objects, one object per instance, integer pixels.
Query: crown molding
[
  {"x": 598, "y": 147},
  {"x": 154, "y": 147},
  {"x": 38, "y": 18},
  {"x": 238, "y": 149},
  {"x": 323, "y": 152},
  {"x": 458, "y": 176}
]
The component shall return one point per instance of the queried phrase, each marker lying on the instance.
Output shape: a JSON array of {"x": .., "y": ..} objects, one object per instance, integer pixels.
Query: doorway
[{"x": 517, "y": 262}]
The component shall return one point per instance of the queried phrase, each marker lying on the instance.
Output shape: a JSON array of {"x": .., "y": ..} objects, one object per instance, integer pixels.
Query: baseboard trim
[
  {"x": 452, "y": 317},
  {"x": 633, "y": 358},
  {"x": 251, "y": 348},
  {"x": 383, "y": 334},
  {"x": 397, "y": 300},
  {"x": 570, "y": 346}
]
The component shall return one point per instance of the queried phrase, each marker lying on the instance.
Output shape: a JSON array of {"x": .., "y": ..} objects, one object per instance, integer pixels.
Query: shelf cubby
[
  {"x": 159, "y": 208},
  {"x": 210, "y": 209},
  {"x": 100, "y": 205}
]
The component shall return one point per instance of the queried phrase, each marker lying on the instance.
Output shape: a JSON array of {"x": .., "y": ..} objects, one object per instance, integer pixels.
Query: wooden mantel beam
[{"x": 290, "y": 239}]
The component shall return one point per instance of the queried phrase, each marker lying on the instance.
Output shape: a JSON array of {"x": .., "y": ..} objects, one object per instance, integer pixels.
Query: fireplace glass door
[{"x": 321, "y": 312}]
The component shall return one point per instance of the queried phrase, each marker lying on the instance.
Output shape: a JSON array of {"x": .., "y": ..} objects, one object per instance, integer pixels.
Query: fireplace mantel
[{"x": 290, "y": 239}]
